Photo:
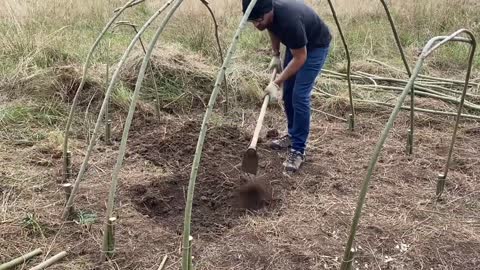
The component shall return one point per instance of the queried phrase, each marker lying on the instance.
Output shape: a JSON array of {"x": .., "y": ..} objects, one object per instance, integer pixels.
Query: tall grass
[{"x": 27, "y": 26}]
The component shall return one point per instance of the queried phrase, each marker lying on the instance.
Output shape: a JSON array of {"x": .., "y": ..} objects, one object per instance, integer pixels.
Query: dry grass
[{"x": 403, "y": 226}]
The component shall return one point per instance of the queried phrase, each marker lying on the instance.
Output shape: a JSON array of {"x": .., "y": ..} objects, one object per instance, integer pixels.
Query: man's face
[{"x": 262, "y": 22}]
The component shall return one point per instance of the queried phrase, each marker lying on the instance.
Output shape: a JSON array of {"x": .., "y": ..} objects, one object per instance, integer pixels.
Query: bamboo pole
[
  {"x": 190, "y": 257},
  {"x": 128, "y": 122},
  {"x": 466, "y": 116},
  {"x": 50, "y": 261},
  {"x": 373, "y": 162},
  {"x": 220, "y": 51},
  {"x": 110, "y": 238},
  {"x": 348, "y": 264},
  {"x": 203, "y": 131},
  {"x": 136, "y": 2},
  {"x": 108, "y": 121},
  {"x": 82, "y": 82},
  {"x": 442, "y": 177},
  {"x": 409, "y": 72},
  {"x": 426, "y": 93},
  {"x": 102, "y": 109},
  {"x": 156, "y": 101},
  {"x": 20, "y": 260},
  {"x": 426, "y": 77},
  {"x": 351, "y": 116},
  {"x": 432, "y": 45},
  {"x": 69, "y": 166}
]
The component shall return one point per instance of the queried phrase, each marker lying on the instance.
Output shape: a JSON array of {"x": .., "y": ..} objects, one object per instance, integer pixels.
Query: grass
[{"x": 38, "y": 37}]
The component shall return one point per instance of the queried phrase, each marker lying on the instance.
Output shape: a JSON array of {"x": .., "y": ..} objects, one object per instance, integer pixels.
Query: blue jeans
[{"x": 297, "y": 94}]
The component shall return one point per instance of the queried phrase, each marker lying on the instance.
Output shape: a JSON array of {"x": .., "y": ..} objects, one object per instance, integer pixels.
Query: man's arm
[
  {"x": 275, "y": 44},
  {"x": 299, "y": 58}
]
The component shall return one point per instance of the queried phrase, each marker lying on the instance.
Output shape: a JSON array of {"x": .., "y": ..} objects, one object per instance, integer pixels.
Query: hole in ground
[{"x": 220, "y": 183}]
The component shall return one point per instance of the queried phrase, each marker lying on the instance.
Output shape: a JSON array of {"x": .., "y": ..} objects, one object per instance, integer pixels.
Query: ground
[{"x": 303, "y": 222}]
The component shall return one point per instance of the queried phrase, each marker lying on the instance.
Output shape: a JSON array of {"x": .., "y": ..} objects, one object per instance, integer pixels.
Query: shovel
[{"x": 250, "y": 158}]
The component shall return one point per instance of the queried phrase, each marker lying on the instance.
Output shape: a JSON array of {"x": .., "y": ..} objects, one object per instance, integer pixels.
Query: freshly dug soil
[{"x": 222, "y": 191}]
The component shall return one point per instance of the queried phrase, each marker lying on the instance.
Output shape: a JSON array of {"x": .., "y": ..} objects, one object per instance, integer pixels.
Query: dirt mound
[{"x": 222, "y": 191}]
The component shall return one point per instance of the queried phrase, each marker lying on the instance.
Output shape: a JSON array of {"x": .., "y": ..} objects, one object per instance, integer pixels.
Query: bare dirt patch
[{"x": 223, "y": 192}]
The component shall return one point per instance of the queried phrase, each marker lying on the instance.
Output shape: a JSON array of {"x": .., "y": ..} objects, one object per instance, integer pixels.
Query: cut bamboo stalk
[
  {"x": 68, "y": 160},
  {"x": 50, "y": 261},
  {"x": 431, "y": 78},
  {"x": 203, "y": 131},
  {"x": 440, "y": 185},
  {"x": 102, "y": 109},
  {"x": 162, "y": 264},
  {"x": 67, "y": 188},
  {"x": 467, "y": 116},
  {"x": 131, "y": 110},
  {"x": 351, "y": 117},
  {"x": 110, "y": 232},
  {"x": 84, "y": 76},
  {"x": 20, "y": 260},
  {"x": 409, "y": 149}
]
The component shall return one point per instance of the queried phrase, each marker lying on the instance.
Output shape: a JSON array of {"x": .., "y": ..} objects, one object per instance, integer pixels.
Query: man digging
[{"x": 307, "y": 40}]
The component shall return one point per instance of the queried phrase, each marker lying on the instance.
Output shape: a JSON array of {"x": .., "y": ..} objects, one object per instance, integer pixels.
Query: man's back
[{"x": 298, "y": 25}]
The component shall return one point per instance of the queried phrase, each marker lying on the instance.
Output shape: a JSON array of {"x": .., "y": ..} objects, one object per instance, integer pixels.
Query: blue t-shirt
[{"x": 298, "y": 25}]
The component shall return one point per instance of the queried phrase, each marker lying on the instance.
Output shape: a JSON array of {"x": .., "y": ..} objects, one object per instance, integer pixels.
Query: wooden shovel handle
[{"x": 258, "y": 127}]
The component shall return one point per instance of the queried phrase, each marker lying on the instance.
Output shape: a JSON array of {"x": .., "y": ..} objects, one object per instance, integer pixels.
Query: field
[{"x": 304, "y": 220}]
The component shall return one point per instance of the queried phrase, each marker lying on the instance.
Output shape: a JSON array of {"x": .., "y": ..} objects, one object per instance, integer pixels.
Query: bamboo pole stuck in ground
[
  {"x": 351, "y": 116},
  {"x": 432, "y": 45},
  {"x": 84, "y": 77},
  {"x": 110, "y": 238},
  {"x": 20, "y": 260},
  {"x": 102, "y": 109},
  {"x": 201, "y": 137},
  {"x": 68, "y": 173},
  {"x": 442, "y": 178},
  {"x": 411, "y": 131},
  {"x": 373, "y": 162},
  {"x": 50, "y": 261},
  {"x": 131, "y": 110}
]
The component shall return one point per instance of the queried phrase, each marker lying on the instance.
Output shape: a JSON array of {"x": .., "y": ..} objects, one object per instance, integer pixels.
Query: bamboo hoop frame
[
  {"x": 118, "y": 12},
  {"x": 203, "y": 130},
  {"x": 429, "y": 48},
  {"x": 69, "y": 205},
  {"x": 128, "y": 122}
]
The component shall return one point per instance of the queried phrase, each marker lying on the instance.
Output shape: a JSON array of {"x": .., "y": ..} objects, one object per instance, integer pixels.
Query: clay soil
[{"x": 301, "y": 222}]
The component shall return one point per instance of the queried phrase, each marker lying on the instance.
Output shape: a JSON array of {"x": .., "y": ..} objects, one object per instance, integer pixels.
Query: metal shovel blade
[{"x": 250, "y": 161}]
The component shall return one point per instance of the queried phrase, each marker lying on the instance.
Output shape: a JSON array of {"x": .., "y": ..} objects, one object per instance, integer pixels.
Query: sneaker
[
  {"x": 281, "y": 143},
  {"x": 294, "y": 161}
]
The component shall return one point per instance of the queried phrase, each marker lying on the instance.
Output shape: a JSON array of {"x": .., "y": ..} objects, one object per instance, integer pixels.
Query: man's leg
[
  {"x": 285, "y": 141},
  {"x": 301, "y": 99}
]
